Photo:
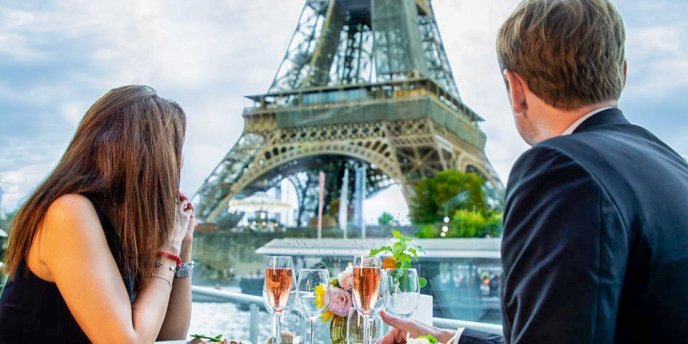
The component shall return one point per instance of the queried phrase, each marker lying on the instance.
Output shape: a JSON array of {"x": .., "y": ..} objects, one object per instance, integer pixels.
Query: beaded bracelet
[
  {"x": 171, "y": 256},
  {"x": 185, "y": 270}
]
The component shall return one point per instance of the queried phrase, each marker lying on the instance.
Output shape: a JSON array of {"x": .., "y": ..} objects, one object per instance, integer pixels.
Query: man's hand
[{"x": 402, "y": 327}]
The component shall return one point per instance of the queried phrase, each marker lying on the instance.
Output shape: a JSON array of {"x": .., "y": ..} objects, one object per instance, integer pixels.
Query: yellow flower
[
  {"x": 320, "y": 291},
  {"x": 327, "y": 316}
]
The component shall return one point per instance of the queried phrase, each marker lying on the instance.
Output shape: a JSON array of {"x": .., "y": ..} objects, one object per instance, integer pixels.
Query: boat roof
[{"x": 434, "y": 248}]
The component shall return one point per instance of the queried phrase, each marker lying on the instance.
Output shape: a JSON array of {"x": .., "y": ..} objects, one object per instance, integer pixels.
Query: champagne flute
[
  {"x": 313, "y": 294},
  {"x": 366, "y": 289},
  {"x": 277, "y": 289},
  {"x": 402, "y": 291}
]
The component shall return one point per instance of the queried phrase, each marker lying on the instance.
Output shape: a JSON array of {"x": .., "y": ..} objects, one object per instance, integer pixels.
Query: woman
[{"x": 97, "y": 253}]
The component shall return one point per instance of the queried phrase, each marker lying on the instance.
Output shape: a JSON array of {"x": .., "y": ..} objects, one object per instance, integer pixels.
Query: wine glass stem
[
  {"x": 313, "y": 329},
  {"x": 366, "y": 330},
  {"x": 276, "y": 328}
]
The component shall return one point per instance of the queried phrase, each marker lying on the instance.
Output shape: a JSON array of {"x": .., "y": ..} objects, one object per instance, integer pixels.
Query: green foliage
[
  {"x": 403, "y": 251},
  {"x": 471, "y": 204},
  {"x": 385, "y": 219},
  {"x": 445, "y": 193},
  {"x": 5, "y": 226},
  {"x": 427, "y": 232},
  {"x": 7, "y": 220},
  {"x": 335, "y": 282},
  {"x": 472, "y": 224},
  {"x": 466, "y": 224}
]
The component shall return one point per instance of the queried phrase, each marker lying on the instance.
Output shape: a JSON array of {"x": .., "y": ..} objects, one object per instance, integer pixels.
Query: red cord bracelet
[{"x": 171, "y": 256}]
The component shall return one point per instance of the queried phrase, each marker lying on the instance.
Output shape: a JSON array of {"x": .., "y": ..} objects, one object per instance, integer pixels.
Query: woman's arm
[
  {"x": 73, "y": 249},
  {"x": 178, "y": 317}
]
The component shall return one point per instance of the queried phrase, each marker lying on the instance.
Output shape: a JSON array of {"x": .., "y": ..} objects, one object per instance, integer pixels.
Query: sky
[{"x": 58, "y": 57}]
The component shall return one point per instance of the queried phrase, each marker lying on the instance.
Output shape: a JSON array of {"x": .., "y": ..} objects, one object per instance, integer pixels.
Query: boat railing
[{"x": 255, "y": 304}]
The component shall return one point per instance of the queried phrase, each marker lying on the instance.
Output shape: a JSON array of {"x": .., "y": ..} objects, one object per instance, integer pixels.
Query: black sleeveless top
[{"x": 33, "y": 311}]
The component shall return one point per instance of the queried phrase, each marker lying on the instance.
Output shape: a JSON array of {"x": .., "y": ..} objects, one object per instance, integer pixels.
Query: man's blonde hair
[{"x": 569, "y": 52}]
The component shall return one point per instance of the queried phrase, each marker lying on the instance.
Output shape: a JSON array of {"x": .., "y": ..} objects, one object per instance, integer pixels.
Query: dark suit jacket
[{"x": 595, "y": 244}]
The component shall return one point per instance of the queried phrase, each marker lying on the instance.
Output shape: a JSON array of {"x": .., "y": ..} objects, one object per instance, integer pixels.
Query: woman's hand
[
  {"x": 182, "y": 222},
  {"x": 402, "y": 327},
  {"x": 187, "y": 241}
]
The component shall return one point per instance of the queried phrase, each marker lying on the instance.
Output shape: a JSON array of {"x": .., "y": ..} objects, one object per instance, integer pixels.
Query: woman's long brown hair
[{"x": 125, "y": 155}]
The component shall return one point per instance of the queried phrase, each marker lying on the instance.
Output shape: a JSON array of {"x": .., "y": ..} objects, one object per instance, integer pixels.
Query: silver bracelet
[
  {"x": 162, "y": 278},
  {"x": 185, "y": 270}
]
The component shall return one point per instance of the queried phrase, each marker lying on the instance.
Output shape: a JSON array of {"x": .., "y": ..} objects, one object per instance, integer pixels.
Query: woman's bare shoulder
[
  {"x": 68, "y": 224},
  {"x": 70, "y": 203},
  {"x": 71, "y": 214}
]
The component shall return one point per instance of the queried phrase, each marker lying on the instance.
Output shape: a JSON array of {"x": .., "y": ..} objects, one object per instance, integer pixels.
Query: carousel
[{"x": 262, "y": 213}]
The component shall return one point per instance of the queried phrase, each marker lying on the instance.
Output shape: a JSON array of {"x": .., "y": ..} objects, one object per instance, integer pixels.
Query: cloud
[
  {"x": 469, "y": 30},
  {"x": 658, "y": 62},
  {"x": 657, "y": 56},
  {"x": 58, "y": 57},
  {"x": 18, "y": 183}
]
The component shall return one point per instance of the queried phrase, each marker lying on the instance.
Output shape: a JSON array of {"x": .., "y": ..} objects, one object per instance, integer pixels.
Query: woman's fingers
[{"x": 185, "y": 202}]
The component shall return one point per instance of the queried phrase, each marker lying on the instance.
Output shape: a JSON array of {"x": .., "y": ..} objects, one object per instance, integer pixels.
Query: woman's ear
[{"x": 516, "y": 91}]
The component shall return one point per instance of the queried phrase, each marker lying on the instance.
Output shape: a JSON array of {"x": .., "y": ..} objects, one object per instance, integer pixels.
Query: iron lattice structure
[{"x": 363, "y": 82}]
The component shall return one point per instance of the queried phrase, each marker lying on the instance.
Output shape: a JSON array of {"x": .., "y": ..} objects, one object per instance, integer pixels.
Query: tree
[
  {"x": 466, "y": 224},
  {"x": 446, "y": 193},
  {"x": 473, "y": 224},
  {"x": 427, "y": 232},
  {"x": 385, "y": 219},
  {"x": 7, "y": 220}
]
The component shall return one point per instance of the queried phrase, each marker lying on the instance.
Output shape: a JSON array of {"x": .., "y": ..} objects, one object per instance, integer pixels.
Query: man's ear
[
  {"x": 624, "y": 71},
  {"x": 516, "y": 89}
]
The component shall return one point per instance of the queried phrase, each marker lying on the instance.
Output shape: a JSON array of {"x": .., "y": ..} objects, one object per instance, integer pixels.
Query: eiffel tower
[{"x": 363, "y": 83}]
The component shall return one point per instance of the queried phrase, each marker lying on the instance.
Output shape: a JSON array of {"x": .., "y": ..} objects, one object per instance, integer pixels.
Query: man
[{"x": 595, "y": 243}]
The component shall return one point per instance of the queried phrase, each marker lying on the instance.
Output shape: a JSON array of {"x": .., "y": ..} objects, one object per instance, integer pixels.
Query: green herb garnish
[
  {"x": 403, "y": 251},
  {"x": 216, "y": 339},
  {"x": 430, "y": 339}
]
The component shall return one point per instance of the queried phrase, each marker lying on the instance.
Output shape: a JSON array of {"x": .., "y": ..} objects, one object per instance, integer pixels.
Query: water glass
[
  {"x": 313, "y": 295},
  {"x": 401, "y": 292}
]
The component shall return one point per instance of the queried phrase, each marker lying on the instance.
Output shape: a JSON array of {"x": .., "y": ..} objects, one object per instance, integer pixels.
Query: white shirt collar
[{"x": 575, "y": 124}]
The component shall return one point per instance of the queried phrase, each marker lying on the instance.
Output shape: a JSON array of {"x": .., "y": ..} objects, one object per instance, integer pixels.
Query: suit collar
[{"x": 609, "y": 116}]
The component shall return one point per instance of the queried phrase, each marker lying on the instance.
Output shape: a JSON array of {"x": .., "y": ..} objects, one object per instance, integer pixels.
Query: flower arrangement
[
  {"x": 340, "y": 295},
  {"x": 400, "y": 255},
  {"x": 340, "y": 303}
]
